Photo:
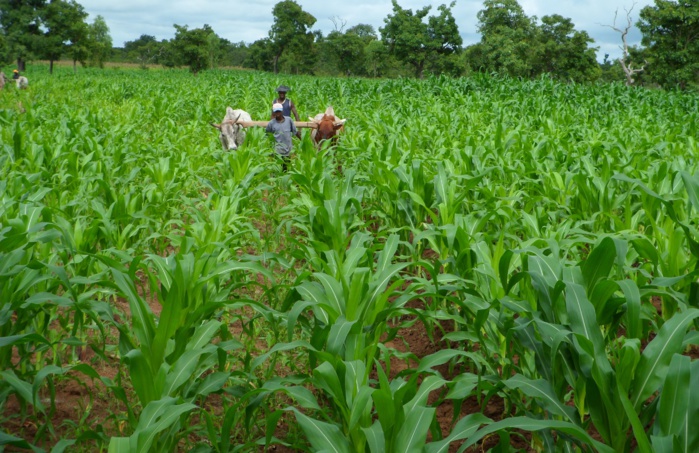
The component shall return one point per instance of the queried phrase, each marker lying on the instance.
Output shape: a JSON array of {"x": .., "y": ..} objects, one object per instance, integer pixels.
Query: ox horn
[
  {"x": 339, "y": 123},
  {"x": 217, "y": 126}
]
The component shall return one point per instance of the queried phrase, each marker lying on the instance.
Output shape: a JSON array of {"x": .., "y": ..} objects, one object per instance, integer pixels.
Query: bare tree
[
  {"x": 338, "y": 23},
  {"x": 625, "y": 59}
]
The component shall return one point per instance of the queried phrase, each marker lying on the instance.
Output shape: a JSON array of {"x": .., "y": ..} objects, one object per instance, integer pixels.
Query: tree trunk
[
  {"x": 276, "y": 60},
  {"x": 20, "y": 64},
  {"x": 51, "y": 66},
  {"x": 419, "y": 70},
  {"x": 75, "y": 69}
]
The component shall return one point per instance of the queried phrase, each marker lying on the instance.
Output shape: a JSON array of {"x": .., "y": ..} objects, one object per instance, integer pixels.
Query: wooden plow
[{"x": 299, "y": 124}]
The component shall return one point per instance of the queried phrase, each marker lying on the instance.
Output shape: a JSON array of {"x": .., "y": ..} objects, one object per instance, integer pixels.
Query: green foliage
[
  {"x": 144, "y": 50},
  {"x": 514, "y": 44},
  {"x": 20, "y": 23},
  {"x": 671, "y": 35},
  {"x": 99, "y": 42},
  {"x": 422, "y": 45},
  {"x": 382, "y": 295},
  {"x": 565, "y": 51},
  {"x": 66, "y": 30},
  {"x": 290, "y": 31},
  {"x": 197, "y": 48}
]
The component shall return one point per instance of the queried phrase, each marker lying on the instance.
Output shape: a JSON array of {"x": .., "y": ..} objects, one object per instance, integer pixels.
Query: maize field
[{"x": 480, "y": 264}]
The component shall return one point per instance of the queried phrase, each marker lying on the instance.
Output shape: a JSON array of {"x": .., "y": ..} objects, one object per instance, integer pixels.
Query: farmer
[
  {"x": 287, "y": 104},
  {"x": 282, "y": 127},
  {"x": 20, "y": 80}
]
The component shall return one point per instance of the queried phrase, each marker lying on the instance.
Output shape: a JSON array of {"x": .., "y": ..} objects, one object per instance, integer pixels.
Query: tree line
[
  {"x": 410, "y": 43},
  {"x": 51, "y": 30}
]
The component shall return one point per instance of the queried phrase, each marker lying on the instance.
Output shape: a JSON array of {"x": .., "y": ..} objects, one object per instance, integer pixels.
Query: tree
[
  {"x": 261, "y": 55},
  {"x": 100, "y": 43},
  {"x": 348, "y": 52},
  {"x": 625, "y": 61},
  {"x": 509, "y": 40},
  {"x": 20, "y": 24},
  {"x": 670, "y": 32},
  {"x": 5, "y": 56},
  {"x": 364, "y": 31},
  {"x": 144, "y": 50},
  {"x": 289, "y": 30},
  {"x": 65, "y": 26},
  {"x": 235, "y": 54},
  {"x": 197, "y": 48},
  {"x": 419, "y": 43},
  {"x": 565, "y": 52}
]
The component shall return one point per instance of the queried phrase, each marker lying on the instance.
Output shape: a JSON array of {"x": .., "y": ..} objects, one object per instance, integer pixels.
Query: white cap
[{"x": 277, "y": 107}]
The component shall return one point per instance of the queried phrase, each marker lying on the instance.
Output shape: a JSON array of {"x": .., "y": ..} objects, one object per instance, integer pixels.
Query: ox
[
  {"x": 326, "y": 127},
  {"x": 3, "y": 79},
  {"x": 22, "y": 83},
  {"x": 232, "y": 134}
]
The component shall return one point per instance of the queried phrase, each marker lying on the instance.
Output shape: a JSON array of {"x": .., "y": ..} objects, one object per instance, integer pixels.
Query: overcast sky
[{"x": 248, "y": 21}]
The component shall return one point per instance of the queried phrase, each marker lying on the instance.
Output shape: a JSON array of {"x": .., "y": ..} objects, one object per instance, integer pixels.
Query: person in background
[
  {"x": 287, "y": 104},
  {"x": 21, "y": 81},
  {"x": 282, "y": 127}
]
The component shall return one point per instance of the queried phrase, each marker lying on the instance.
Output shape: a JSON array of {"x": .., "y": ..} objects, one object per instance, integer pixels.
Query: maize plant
[{"x": 518, "y": 272}]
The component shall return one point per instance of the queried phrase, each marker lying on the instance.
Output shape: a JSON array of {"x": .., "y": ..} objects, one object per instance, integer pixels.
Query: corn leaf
[
  {"x": 412, "y": 435},
  {"x": 322, "y": 436},
  {"x": 658, "y": 354}
]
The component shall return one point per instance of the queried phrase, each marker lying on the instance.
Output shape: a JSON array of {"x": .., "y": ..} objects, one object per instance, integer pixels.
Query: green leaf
[
  {"x": 412, "y": 435},
  {"x": 582, "y": 315},
  {"x": 182, "y": 370},
  {"x": 326, "y": 377},
  {"x": 633, "y": 308},
  {"x": 155, "y": 418},
  {"x": 375, "y": 438},
  {"x": 531, "y": 424},
  {"x": 338, "y": 335},
  {"x": 203, "y": 334},
  {"x": 656, "y": 357},
  {"x": 22, "y": 388},
  {"x": 8, "y": 439},
  {"x": 430, "y": 384},
  {"x": 361, "y": 406},
  {"x": 212, "y": 383},
  {"x": 691, "y": 183},
  {"x": 333, "y": 292},
  {"x": 119, "y": 445},
  {"x": 599, "y": 263},
  {"x": 636, "y": 425},
  {"x": 541, "y": 390},
  {"x": 257, "y": 361},
  {"x": 463, "y": 429},
  {"x": 322, "y": 436},
  {"x": 62, "y": 444},
  {"x": 673, "y": 415}
]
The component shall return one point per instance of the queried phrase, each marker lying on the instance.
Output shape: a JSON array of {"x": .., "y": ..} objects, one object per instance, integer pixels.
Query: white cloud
[{"x": 248, "y": 21}]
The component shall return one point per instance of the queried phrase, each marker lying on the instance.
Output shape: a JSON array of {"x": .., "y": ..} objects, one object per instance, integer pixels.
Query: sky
[{"x": 248, "y": 21}]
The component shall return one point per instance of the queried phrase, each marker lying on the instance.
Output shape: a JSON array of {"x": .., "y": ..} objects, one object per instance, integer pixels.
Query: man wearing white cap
[{"x": 282, "y": 127}]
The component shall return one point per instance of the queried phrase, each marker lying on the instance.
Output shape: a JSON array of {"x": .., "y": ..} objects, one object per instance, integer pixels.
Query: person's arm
[{"x": 293, "y": 110}]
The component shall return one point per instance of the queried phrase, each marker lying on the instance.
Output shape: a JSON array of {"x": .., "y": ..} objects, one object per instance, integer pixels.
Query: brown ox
[{"x": 327, "y": 127}]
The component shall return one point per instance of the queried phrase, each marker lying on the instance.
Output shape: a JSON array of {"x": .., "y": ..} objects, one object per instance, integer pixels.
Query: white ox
[
  {"x": 3, "y": 79},
  {"x": 232, "y": 135},
  {"x": 22, "y": 83}
]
